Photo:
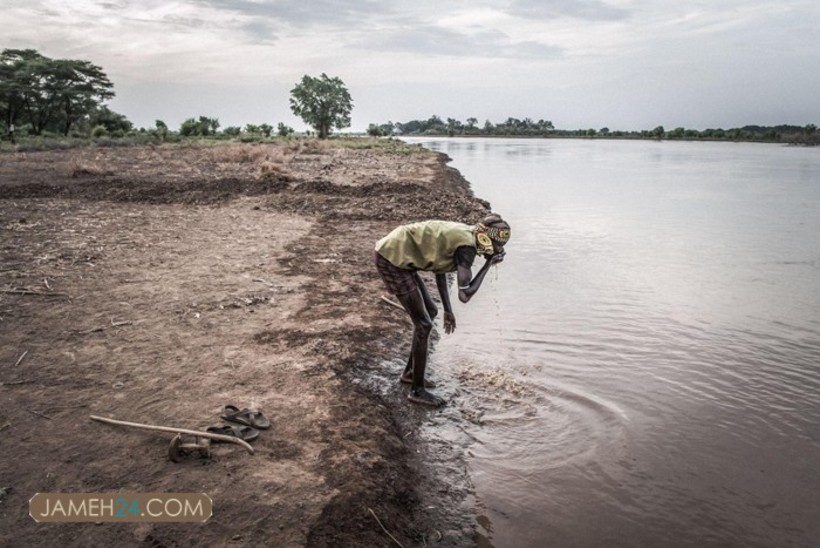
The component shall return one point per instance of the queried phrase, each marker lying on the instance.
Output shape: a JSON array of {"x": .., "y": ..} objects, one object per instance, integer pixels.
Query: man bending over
[{"x": 439, "y": 247}]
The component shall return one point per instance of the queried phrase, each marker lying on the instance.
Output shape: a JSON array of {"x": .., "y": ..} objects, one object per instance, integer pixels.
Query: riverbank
[{"x": 157, "y": 284}]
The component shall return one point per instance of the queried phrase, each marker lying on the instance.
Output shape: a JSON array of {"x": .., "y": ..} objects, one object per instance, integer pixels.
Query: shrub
[
  {"x": 81, "y": 168},
  {"x": 270, "y": 170},
  {"x": 282, "y": 130}
]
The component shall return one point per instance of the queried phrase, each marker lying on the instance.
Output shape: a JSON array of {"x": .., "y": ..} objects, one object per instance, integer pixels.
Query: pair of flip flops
[
  {"x": 246, "y": 417},
  {"x": 251, "y": 421}
]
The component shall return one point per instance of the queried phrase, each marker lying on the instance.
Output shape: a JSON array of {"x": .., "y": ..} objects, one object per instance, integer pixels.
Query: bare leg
[
  {"x": 432, "y": 312},
  {"x": 422, "y": 325},
  {"x": 407, "y": 374},
  {"x": 429, "y": 304}
]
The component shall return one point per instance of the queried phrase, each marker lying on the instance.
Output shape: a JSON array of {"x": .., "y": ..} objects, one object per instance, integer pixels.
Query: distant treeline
[{"x": 514, "y": 127}]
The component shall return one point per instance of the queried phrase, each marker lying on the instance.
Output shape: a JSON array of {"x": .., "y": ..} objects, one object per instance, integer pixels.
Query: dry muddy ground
[{"x": 157, "y": 284}]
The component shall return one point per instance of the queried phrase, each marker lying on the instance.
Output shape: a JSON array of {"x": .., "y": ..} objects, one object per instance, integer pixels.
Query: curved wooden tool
[{"x": 172, "y": 430}]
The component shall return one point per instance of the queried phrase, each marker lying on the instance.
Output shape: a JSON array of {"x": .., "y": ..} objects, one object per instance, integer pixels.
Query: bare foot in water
[
  {"x": 408, "y": 379},
  {"x": 420, "y": 395}
]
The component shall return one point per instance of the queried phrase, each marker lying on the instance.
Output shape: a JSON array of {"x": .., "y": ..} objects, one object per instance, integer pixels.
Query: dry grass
[
  {"x": 85, "y": 168},
  {"x": 315, "y": 147},
  {"x": 270, "y": 170},
  {"x": 239, "y": 154}
]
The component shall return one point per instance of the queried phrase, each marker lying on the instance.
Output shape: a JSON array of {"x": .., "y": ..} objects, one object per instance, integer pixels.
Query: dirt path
[{"x": 157, "y": 284}]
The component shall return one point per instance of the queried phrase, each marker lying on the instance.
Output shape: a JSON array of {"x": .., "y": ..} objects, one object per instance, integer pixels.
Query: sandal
[
  {"x": 245, "y": 433},
  {"x": 247, "y": 417},
  {"x": 422, "y": 396}
]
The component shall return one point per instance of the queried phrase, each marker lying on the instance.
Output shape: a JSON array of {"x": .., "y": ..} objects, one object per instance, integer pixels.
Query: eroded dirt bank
[{"x": 157, "y": 284}]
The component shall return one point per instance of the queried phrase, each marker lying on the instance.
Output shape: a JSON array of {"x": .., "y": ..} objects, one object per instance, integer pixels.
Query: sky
[{"x": 621, "y": 64}]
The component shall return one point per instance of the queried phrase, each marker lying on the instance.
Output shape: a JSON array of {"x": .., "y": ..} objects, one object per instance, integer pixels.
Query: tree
[
  {"x": 203, "y": 127},
  {"x": 189, "y": 127},
  {"x": 212, "y": 123},
  {"x": 80, "y": 87},
  {"x": 454, "y": 126},
  {"x": 282, "y": 130},
  {"x": 113, "y": 122},
  {"x": 323, "y": 103},
  {"x": 47, "y": 93},
  {"x": 16, "y": 79},
  {"x": 162, "y": 129}
]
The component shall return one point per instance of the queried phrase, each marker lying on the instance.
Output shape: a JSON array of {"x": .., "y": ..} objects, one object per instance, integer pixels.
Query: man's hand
[
  {"x": 497, "y": 258},
  {"x": 449, "y": 322}
]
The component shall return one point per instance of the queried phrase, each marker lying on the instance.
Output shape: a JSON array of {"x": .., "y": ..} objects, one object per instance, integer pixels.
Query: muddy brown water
[{"x": 644, "y": 368}]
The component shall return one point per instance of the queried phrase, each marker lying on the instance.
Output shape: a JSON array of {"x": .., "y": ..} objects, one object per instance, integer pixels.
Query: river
[{"x": 644, "y": 367}]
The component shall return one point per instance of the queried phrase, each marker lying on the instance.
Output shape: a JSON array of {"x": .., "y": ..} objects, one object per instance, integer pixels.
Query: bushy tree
[
  {"x": 49, "y": 94},
  {"x": 17, "y": 79},
  {"x": 161, "y": 130},
  {"x": 80, "y": 87},
  {"x": 282, "y": 130},
  {"x": 381, "y": 130},
  {"x": 323, "y": 103},
  {"x": 189, "y": 127},
  {"x": 202, "y": 127},
  {"x": 113, "y": 122}
]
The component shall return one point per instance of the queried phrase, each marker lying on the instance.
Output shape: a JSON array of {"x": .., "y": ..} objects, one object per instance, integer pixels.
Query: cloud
[
  {"x": 437, "y": 41},
  {"x": 302, "y": 13},
  {"x": 591, "y": 10},
  {"x": 625, "y": 63},
  {"x": 259, "y": 32}
]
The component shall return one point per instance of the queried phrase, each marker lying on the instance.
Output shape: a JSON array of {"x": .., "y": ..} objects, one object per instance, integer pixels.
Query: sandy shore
[{"x": 157, "y": 284}]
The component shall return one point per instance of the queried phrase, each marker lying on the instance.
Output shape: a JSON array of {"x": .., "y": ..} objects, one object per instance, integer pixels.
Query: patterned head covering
[{"x": 491, "y": 228}]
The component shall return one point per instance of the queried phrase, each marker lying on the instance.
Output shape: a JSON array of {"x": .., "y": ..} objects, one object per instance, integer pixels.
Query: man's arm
[
  {"x": 468, "y": 287},
  {"x": 449, "y": 317}
]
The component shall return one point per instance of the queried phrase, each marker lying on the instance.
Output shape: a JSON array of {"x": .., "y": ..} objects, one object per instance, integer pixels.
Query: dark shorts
[{"x": 397, "y": 280}]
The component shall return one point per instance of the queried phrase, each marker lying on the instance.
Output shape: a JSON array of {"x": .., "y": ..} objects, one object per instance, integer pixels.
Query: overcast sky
[{"x": 623, "y": 64}]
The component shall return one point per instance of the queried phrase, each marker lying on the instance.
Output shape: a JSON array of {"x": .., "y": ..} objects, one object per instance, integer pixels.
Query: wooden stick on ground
[
  {"x": 39, "y": 414},
  {"x": 392, "y": 303},
  {"x": 14, "y": 383},
  {"x": 383, "y": 529},
  {"x": 20, "y": 359},
  {"x": 120, "y": 324},
  {"x": 172, "y": 430},
  {"x": 29, "y": 292}
]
